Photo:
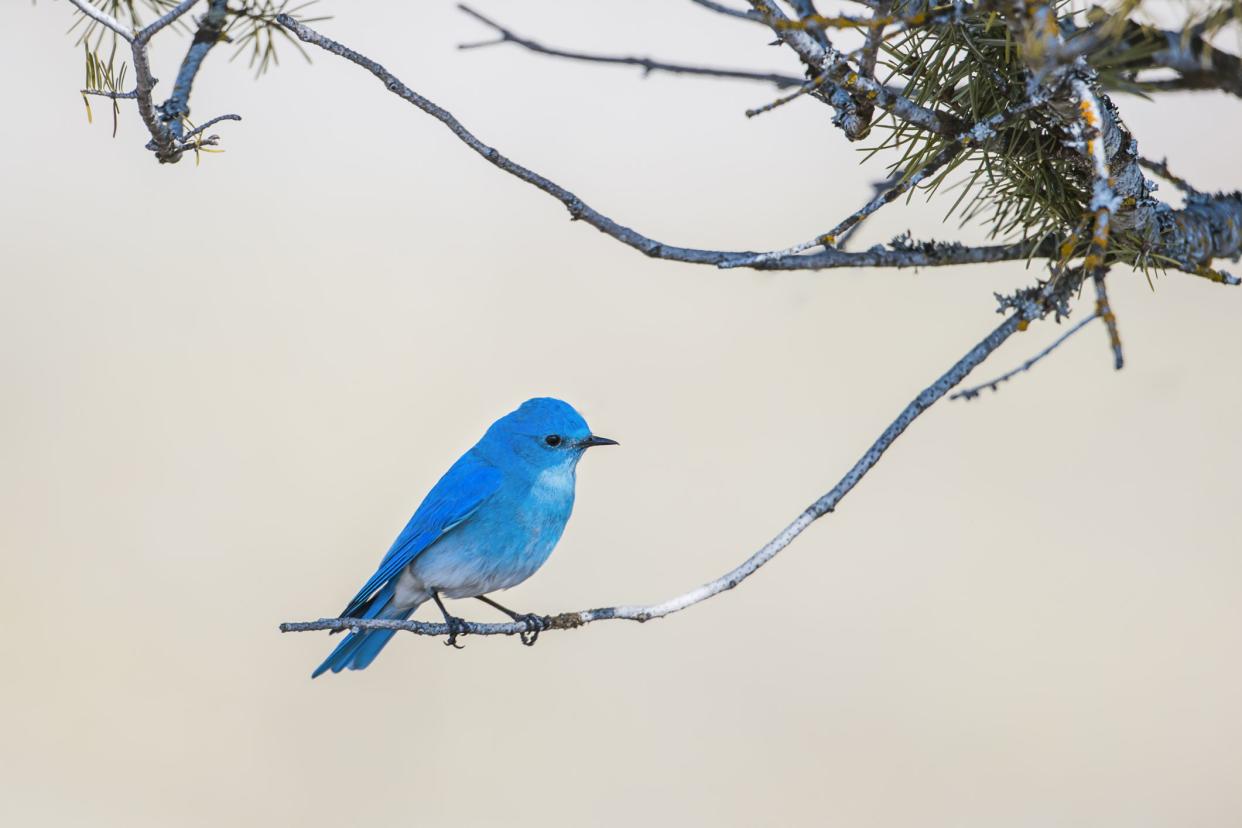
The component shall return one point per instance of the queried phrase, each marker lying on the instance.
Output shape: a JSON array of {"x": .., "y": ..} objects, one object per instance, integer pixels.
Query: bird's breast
[
  {"x": 547, "y": 505},
  {"x": 505, "y": 542}
]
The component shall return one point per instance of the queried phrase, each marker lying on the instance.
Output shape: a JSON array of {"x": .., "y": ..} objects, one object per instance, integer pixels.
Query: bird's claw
[
  {"x": 534, "y": 624},
  {"x": 456, "y": 627}
]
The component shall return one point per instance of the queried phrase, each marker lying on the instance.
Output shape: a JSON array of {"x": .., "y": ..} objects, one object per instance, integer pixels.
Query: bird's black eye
[{"x": 553, "y": 440}]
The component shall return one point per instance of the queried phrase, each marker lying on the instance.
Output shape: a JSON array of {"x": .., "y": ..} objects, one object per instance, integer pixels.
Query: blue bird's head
[{"x": 545, "y": 432}]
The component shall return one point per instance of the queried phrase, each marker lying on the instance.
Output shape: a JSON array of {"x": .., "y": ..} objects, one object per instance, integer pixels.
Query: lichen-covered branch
[
  {"x": 821, "y": 58},
  {"x": 1104, "y": 202},
  {"x": 209, "y": 32}
]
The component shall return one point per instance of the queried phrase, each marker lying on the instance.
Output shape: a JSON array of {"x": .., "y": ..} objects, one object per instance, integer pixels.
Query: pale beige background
[{"x": 225, "y": 388}]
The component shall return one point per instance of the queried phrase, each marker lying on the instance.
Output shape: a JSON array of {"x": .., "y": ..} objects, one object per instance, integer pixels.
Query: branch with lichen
[
  {"x": 821, "y": 58},
  {"x": 1104, "y": 202}
]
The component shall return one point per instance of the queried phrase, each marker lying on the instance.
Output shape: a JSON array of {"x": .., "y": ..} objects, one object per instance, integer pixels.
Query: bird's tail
[{"x": 360, "y": 648}]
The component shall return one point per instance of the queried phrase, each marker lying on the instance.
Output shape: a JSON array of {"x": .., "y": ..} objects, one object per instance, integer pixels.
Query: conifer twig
[{"x": 163, "y": 141}]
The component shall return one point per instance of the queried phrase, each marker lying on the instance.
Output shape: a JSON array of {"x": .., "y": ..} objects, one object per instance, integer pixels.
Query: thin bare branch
[
  {"x": 971, "y": 393},
  {"x": 871, "y": 47},
  {"x": 824, "y": 505},
  {"x": 161, "y": 141},
  {"x": 646, "y": 64},
  {"x": 811, "y": 21},
  {"x": 116, "y": 96},
  {"x": 198, "y": 130},
  {"x": 106, "y": 20},
  {"x": 983, "y": 131},
  {"x": 164, "y": 20},
  {"x": 868, "y": 56},
  {"x": 1161, "y": 168},
  {"x": 720, "y": 8},
  {"x": 807, "y": 87},
  {"x": 1104, "y": 310}
]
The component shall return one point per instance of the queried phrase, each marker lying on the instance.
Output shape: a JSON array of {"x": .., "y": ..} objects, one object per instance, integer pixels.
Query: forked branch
[
  {"x": 994, "y": 384},
  {"x": 164, "y": 123}
]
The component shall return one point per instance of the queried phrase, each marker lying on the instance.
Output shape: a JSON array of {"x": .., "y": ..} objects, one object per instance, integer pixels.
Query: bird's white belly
[
  {"x": 497, "y": 549},
  {"x": 460, "y": 568}
]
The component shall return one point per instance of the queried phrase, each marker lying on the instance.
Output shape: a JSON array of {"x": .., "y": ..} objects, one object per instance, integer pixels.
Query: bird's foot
[
  {"x": 534, "y": 624},
  {"x": 456, "y": 627}
]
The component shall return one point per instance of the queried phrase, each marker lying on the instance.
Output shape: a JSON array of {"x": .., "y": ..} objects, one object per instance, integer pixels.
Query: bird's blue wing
[{"x": 459, "y": 494}]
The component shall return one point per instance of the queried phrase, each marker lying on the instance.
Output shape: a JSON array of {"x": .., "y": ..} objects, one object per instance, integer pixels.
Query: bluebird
[{"x": 489, "y": 524}]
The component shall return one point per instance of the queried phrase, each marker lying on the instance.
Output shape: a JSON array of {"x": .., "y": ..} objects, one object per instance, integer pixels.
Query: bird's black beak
[{"x": 595, "y": 440}]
